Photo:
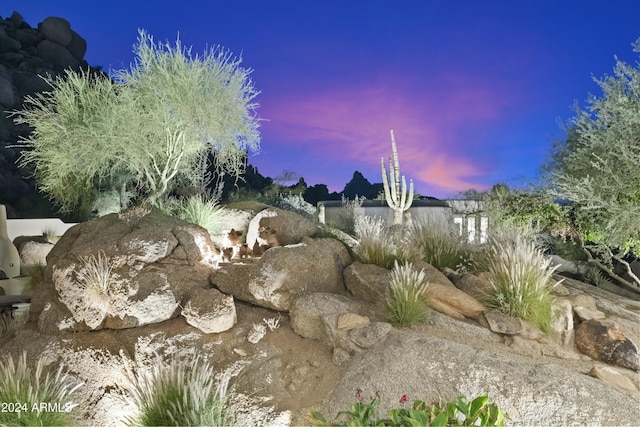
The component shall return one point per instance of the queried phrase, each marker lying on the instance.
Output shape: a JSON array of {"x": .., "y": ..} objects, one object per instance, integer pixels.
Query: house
[{"x": 465, "y": 216}]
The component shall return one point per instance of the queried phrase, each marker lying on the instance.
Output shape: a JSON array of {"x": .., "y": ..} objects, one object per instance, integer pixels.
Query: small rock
[
  {"x": 607, "y": 344},
  {"x": 240, "y": 352},
  {"x": 613, "y": 377},
  {"x": 501, "y": 323},
  {"x": 370, "y": 335},
  {"x": 211, "y": 311},
  {"x": 349, "y": 321},
  {"x": 587, "y": 314}
]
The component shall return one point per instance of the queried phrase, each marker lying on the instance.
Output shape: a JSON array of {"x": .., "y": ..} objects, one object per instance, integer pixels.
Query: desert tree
[
  {"x": 154, "y": 128},
  {"x": 596, "y": 168}
]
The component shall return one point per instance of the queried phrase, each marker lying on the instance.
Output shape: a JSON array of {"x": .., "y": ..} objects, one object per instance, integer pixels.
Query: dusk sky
[{"x": 473, "y": 90}]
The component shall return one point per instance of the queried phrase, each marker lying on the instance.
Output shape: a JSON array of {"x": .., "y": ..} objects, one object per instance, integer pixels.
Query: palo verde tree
[
  {"x": 156, "y": 126},
  {"x": 597, "y": 169}
]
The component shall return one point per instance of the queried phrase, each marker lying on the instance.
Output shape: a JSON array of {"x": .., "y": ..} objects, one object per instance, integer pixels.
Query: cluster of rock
[
  {"x": 27, "y": 54},
  {"x": 162, "y": 267}
]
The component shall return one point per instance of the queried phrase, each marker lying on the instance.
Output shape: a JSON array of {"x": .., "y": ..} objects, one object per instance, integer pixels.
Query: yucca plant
[
  {"x": 183, "y": 393},
  {"x": 406, "y": 304},
  {"x": 380, "y": 245},
  {"x": 25, "y": 391},
  {"x": 520, "y": 278},
  {"x": 437, "y": 244}
]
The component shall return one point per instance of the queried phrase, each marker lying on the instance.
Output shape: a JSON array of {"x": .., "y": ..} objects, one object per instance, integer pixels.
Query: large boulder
[
  {"x": 290, "y": 227},
  {"x": 285, "y": 272},
  {"x": 436, "y": 370},
  {"x": 121, "y": 271},
  {"x": 367, "y": 282}
]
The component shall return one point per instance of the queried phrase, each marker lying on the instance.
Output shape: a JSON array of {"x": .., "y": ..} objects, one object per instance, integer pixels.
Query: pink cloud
[{"x": 353, "y": 124}]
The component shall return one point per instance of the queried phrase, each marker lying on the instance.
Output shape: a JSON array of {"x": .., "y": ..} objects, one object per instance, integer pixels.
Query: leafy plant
[
  {"x": 183, "y": 393},
  {"x": 520, "y": 277},
  {"x": 24, "y": 391},
  {"x": 462, "y": 412},
  {"x": 438, "y": 245},
  {"x": 406, "y": 304}
]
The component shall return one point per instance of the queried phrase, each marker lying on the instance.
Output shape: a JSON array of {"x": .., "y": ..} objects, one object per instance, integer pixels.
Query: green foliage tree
[
  {"x": 596, "y": 168},
  {"x": 155, "y": 128}
]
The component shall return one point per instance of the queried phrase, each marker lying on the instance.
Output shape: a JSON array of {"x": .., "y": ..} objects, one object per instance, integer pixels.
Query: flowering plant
[{"x": 478, "y": 412}]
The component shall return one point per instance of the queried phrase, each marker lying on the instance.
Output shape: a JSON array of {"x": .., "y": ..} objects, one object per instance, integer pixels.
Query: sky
[{"x": 474, "y": 90}]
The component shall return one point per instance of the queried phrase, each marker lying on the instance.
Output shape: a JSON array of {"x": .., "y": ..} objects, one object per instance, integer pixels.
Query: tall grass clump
[
  {"x": 520, "y": 278},
  {"x": 438, "y": 244},
  {"x": 205, "y": 212},
  {"x": 26, "y": 389},
  {"x": 380, "y": 245},
  {"x": 183, "y": 393},
  {"x": 406, "y": 304},
  {"x": 95, "y": 278}
]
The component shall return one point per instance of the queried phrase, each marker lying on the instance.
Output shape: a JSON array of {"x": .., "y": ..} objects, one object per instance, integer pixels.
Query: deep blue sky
[{"x": 473, "y": 89}]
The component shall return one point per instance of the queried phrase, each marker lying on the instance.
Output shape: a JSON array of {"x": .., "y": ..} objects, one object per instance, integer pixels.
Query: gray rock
[
  {"x": 436, "y": 370},
  {"x": 57, "y": 55},
  {"x": 285, "y": 272},
  {"x": 367, "y": 282},
  {"x": 156, "y": 262},
  {"x": 58, "y": 30},
  {"x": 210, "y": 310},
  {"x": 370, "y": 335},
  {"x": 501, "y": 323}
]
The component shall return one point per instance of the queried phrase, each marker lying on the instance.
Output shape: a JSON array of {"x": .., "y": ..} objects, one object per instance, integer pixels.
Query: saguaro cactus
[{"x": 396, "y": 194}]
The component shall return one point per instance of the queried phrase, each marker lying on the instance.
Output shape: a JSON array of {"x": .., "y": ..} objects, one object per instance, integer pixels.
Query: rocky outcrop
[
  {"x": 425, "y": 368},
  {"x": 122, "y": 271},
  {"x": 285, "y": 272},
  {"x": 27, "y": 54}
]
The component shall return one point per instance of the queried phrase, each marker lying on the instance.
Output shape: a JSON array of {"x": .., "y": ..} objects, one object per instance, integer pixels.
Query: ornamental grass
[
  {"x": 406, "y": 304},
  {"x": 183, "y": 393},
  {"x": 520, "y": 278},
  {"x": 33, "y": 398}
]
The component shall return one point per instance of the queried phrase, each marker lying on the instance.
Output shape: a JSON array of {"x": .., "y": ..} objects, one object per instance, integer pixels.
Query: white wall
[{"x": 35, "y": 227}]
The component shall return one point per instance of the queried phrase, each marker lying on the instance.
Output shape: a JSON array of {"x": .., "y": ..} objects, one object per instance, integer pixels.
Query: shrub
[
  {"x": 519, "y": 275},
  {"x": 50, "y": 235},
  {"x": 380, "y": 245},
  {"x": 406, "y": 304},
  {"x": 183, "y": 393},
  {"x": 295, "y": 203},
  {"x": 26, "y": 390},
  {"x": 438, "y": 245}
]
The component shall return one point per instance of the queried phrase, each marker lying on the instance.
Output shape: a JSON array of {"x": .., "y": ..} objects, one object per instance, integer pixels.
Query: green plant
[
  {"x": 438, "y": 245},
  {"x": 205, "y": 212},
  {"x": 183, "y": 393},
  {"x": 595, "y": 167},
  {"x": 593, "y": 275},
  {"x": 24, "y": 392},
  {"x": 520, "y": 277},
  {"x": 462, "y": 412},
  {"x": 381, "y": 245},
  {"x": 160, "y": 126},
  {"x": 50, "y": 235},
  {"x": 406, "y": 304}
]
